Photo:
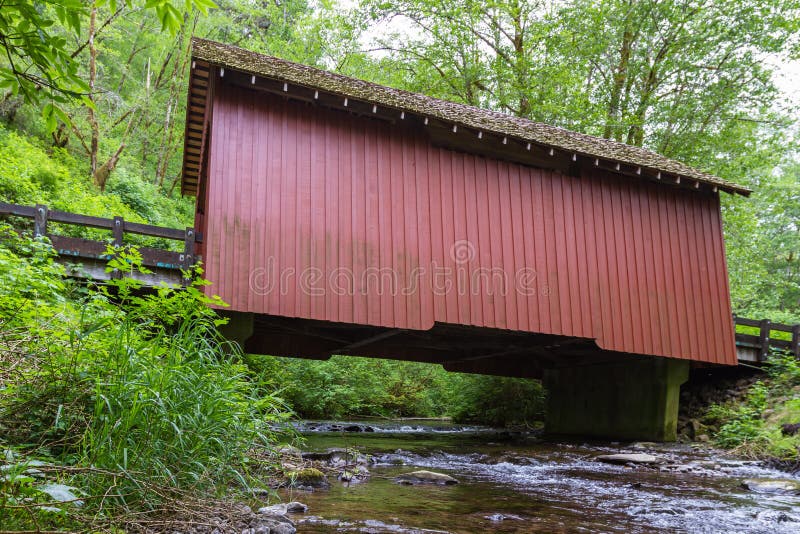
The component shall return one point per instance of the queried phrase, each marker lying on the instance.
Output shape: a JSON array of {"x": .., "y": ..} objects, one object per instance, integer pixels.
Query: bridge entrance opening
[{"x": 591, "y": 392}]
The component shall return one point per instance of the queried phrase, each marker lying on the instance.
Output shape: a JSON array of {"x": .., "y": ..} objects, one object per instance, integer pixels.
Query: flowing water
[{"x": 518, "y": 483}]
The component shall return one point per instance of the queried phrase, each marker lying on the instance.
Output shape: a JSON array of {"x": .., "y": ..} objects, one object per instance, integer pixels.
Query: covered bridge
[{"x": 343, "y": 217}]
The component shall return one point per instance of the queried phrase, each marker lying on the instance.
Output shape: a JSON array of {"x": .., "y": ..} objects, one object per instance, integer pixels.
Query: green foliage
[
  {"x": 38, "y": 55},
  {"x": 753, "y": 427},
  {"x": 125, "y": 393},
  {"x": 345, "y": 386},
  {"x": 497, "y": 401},
  {"x": 741, "y": 424}
]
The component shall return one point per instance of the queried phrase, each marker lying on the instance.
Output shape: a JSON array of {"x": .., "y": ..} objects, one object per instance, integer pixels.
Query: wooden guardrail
[
  {"x": 96, "y": 250},
  {"x": 765, "y": 340}
]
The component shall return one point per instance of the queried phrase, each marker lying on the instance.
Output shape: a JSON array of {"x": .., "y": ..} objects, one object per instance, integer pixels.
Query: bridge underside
[
  {"x": 591, "y": 392},
  {"x": 458, "y": 348}
]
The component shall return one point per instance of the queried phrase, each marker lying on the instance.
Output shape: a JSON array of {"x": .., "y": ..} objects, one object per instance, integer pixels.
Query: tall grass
[{"x": 131, "y": 397}]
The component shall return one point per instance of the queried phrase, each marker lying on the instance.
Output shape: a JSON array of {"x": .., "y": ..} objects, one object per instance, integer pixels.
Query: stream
[{"x": 516, "y": 482}]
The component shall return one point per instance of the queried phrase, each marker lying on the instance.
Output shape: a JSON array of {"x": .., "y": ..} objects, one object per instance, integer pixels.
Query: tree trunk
[
  {"x": 612, "y": 128},
  {"x": 95, "y": 136}
]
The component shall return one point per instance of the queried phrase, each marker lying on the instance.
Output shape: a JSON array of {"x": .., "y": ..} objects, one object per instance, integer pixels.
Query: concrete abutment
[{"x": 633, "y": 399}]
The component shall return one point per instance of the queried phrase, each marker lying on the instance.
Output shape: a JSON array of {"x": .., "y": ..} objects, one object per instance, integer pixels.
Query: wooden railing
[
  {"x": 96, "y": 250},
  {"x": 787, "y": 338}
]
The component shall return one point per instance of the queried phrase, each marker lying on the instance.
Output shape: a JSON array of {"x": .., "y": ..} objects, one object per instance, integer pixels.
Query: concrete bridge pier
[{"x": 632, "y": 399}]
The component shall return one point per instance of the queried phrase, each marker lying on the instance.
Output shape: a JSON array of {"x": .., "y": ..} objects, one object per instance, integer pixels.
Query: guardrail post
[
  {"x": 119, "y": 231},
  {"x": 795, "y": 346},
  {"x": 40, "y": 221},
  {"x": 763, "y": 338},
  {"x": 188, "y": 253}
]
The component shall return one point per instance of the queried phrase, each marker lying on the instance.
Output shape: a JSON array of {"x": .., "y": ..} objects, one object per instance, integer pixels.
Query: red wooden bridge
[
  {"x": 342, "y": 217},
  {"x": 755, "y": 339}
]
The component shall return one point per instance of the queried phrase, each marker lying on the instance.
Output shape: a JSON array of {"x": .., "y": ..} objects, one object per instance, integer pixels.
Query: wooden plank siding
[{"x": 335, "y": 209}]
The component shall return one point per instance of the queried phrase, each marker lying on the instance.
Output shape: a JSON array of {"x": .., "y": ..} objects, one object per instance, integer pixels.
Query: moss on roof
[{"x": 463, "y": 115}]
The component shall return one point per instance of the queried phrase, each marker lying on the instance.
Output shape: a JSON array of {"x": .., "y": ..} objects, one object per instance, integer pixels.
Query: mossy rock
[{"x": 308, "y": 476}]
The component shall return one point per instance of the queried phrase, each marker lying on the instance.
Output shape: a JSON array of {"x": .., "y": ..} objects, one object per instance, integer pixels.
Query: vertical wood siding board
[
  {"x": 438, "y": 206},
  {"x": 212, "y": 231},
  {"x": 573, "y": 265},
  {"x": 529, "y": 244},
  {"x": 719, "y": 239},
  {"x": 284, "y": 214},
  {"x": 320, "y": 227},
  {"x": 714, "y": 322},
  {"x": 698, "y": 300},
  {"x": 407, "y": 231},
  {"x": 711, "y": 319},
  {"x": 373, "y": 141},
  {"x": 507, "y": 234},
  {"x": 586, "y": 207},
  {"x": 601, "y": 253},
  {"x": 412, "y": 235},
  {"x": 303, "y": 230},
  {"x": 688, "y": 264},
  {"x": 678, "y": 288},
  {"x": 512, "y": 299},
  {"x": 652, "y": 281},
  {"x": 607, "y": 257},
  {"x": 293, "y": 169},
  {"x": 671, "y": 275},
  {"x": 704, "y": 313},
  {"x": 311, "y": 150},
  {"x": 331, "y": 213},
  {"x": 584, "y": 288},
  {"x": 620, "y": 235},
  {"x": 663, "y": 273},
  {"x": 260, "y": 126},
  {"x": 564, "y": 269},
  {"x": 493, "y": 250},
  {"x": 250, "y": 182},
  {"x": 461, "y": 233},
  {"x": 360, "y": 300},
  {"x": 234, "y": 188},
  {"x": 226, "y": 216},
  {"x": 396, "y": 209},
  {"x": 348, "y": 235},
  {"x": 494, "y": 175},
  {"x": 271, "y": 202},
  {"x": 256, "y": 191},
  {"x": 483, "y": 243},
  {"x": 551, "y": 254},
  {"x": 343, "y": 219},
  {"x": 448, "y": 196},
  {"x": 244, "y": 198},
  {"x": 540, "y": 248},
  {"x": 518, "y": 249},
  {"x": 384, "y": 230},
  {"x": 372, "y": 301},
  {"x": 718, "y": 273},
  {"x": 473, "y": 217},
  {"x": 615, "y": 339},
  {"x": 636, "y": 281},
  {"x": 216, "y": 192},
  {"x": 426, "y": 229}
]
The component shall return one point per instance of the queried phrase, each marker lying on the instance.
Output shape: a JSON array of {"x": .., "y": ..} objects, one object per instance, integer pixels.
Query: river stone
[
  {"x": 425, "y": 477},
  {"x": 627, "y": 458},
  {"x": 782, "y": 486},
  {"x": 295, "y": 507},
  {"x": 503, "y": 517}
]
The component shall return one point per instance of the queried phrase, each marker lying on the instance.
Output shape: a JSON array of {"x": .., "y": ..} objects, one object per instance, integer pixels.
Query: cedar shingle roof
[{"x": 524, "y": 130}]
